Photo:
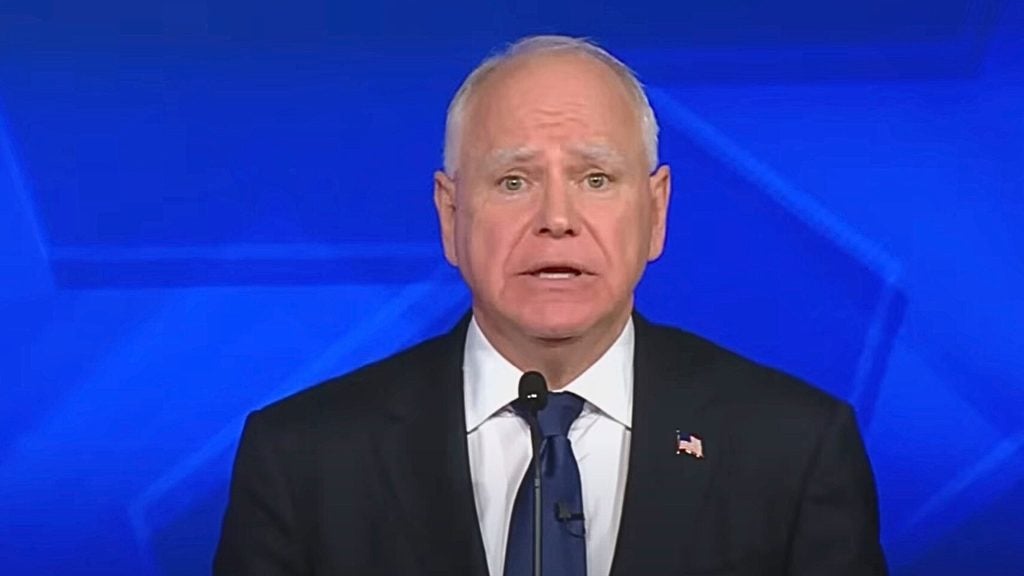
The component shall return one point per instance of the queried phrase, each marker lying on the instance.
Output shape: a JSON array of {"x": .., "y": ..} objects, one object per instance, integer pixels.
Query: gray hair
[{"x": 534, "y": 45}]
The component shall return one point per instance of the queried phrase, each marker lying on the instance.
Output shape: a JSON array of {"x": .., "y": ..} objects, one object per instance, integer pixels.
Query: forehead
[{"x": 567, "y": 99}]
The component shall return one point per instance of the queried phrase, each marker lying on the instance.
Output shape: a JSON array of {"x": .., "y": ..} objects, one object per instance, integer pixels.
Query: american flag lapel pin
[{"x": 689, "y": 444}]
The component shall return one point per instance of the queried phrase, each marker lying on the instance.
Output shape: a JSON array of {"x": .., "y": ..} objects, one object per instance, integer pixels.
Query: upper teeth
[{"x": 556, "y": 275}]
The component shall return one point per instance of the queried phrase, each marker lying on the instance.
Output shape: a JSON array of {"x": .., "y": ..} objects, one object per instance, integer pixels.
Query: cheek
[
  {"x": 485, "y": 239},
  {"x": 627, "y": 235}
]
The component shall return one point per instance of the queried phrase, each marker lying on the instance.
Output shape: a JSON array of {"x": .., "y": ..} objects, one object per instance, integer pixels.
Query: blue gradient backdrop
[{"x": 205, "y": 206}]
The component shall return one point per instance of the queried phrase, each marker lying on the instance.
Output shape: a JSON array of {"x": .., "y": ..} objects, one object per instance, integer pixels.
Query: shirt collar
[
  {"x": 608, "y": 383},
  {"x": 492, "y": 382}
]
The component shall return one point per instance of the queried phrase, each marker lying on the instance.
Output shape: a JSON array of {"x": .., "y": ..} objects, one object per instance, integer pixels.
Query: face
[{"x": 552, "y": 215}]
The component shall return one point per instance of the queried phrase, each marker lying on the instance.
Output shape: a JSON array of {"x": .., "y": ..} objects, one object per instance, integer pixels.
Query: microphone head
[{"x": 533, "y": 391}]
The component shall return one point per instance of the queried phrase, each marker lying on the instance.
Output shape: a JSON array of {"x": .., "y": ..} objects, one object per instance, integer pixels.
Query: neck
[{"x": 560, "y": 360}]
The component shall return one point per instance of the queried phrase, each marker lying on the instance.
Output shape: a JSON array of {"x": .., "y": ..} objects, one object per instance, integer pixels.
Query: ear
[
  {"x": 444, "y": 202},
  {"x": 660, "y": 186}
]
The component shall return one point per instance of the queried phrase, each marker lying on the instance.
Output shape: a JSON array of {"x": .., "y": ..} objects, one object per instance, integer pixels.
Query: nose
[{"x": 556, "y": 216}]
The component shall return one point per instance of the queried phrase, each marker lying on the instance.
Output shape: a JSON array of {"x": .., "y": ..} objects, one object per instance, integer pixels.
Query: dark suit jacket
[{"x": 369, "y": 473}]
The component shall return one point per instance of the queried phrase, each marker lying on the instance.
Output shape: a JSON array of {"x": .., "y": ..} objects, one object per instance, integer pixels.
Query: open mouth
[{"x": 556, "y": 273}]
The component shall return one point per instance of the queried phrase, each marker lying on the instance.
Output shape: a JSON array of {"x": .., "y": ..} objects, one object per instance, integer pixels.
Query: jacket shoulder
[
  {"x": 366, "y": 393},
  {"x": 739, "y": 380}
]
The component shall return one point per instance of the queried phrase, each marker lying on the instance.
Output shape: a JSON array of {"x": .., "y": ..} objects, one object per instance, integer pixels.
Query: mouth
[{"x": 556, "y": 272}]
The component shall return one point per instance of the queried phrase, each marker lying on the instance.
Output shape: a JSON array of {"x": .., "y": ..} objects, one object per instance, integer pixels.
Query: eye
[
  {"x": 597, "y": 181},
  {"x": 512, "y": 183}
]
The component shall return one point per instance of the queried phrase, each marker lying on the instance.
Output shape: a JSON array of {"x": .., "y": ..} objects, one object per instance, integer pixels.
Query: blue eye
[
  {"x": 597, "y": 181},
  {"x": 513, "y": 183}
]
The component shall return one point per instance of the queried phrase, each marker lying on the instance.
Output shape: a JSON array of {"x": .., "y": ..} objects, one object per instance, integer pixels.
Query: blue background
[{"x": 205, "y": 206}]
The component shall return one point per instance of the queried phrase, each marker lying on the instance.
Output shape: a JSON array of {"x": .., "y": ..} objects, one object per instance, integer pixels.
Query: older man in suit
[{"x": 661, "y": 453}]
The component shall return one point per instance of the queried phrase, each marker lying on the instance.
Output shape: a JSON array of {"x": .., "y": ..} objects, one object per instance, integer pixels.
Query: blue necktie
[{"x": 564, "y": 550}]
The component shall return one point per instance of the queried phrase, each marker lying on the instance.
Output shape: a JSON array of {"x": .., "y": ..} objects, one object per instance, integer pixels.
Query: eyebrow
[
  {"x": 597, "y": 153},
  {"x": 503, "y": 156}
]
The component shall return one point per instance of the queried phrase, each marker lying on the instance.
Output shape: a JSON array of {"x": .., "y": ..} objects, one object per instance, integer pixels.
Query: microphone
[
  {"x": 564, "y": 514},
  {"x": 573, "y": 521},
  {"x": 533, "y": 392},
  {"x": 533, "y": 395}
]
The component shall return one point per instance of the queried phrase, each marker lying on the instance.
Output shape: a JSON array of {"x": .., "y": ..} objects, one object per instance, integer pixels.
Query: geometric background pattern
[{"x": 206, "y": 206}]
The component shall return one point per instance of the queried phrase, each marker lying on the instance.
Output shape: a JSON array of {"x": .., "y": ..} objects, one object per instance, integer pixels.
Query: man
[{"x": 671, "y": 455}]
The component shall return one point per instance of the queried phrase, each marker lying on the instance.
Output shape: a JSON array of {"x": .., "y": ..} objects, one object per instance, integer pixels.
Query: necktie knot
[{"x": 557, "y": 417}]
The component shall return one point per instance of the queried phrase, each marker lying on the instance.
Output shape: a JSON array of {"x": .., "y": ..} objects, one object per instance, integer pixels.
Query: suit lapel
[
  {"x": 664, "y": 490},
  {"x": 427, "y": 463}
]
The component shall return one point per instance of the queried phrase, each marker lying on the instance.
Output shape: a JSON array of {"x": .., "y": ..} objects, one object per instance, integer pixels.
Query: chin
[{"x": 557, "y": 324}]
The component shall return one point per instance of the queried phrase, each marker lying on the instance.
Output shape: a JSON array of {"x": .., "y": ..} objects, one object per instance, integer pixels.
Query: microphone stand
[
  {"x": 533, "y": 393},
  {"x": 538, "y": 505}
]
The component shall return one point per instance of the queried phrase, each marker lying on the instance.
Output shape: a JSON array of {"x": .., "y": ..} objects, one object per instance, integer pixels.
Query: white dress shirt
[{"x": 500, "y": 446}]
